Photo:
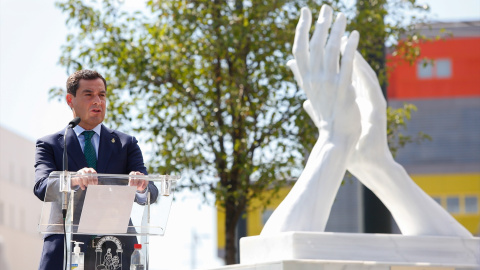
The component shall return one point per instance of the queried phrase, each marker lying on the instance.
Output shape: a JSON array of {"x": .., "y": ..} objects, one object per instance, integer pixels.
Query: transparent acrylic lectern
[{"x": 107, "y": 210}]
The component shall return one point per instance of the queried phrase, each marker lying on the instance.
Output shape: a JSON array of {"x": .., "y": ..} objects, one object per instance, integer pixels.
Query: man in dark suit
[{"x": 92, "y": 148}]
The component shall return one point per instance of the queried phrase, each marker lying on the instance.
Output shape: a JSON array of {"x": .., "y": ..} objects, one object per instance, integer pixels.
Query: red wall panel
[{"x": 464, "y": 54}]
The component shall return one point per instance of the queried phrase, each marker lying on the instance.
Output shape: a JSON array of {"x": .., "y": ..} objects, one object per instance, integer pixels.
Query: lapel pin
[{"x": 113, "y": 140}]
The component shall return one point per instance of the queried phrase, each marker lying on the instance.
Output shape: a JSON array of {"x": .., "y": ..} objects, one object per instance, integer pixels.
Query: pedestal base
[
  {"x": 352, "y": 251},
  {"x": 334, "y": 265},
  {"x": 362, "y": 250},
  {"x": 388, "y": 248}
]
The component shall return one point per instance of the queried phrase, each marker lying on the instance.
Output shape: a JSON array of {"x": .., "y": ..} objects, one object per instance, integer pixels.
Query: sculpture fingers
[
  {"x": 332, "y": 49},
  {"x": 319, "y": 38},
  {"x": 346, "y": 67},
  {"x": 300, "y": 48},
  {"x": 292, "y": 64},
  {"x": 366, "y": 76}
]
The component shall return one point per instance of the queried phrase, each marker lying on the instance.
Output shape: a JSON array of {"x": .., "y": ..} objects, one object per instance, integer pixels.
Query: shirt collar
[{"x": 78, "y": 129}]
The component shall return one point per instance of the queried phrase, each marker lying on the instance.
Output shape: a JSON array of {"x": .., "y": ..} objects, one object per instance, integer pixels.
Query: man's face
[{"x": 89, "y": 102}]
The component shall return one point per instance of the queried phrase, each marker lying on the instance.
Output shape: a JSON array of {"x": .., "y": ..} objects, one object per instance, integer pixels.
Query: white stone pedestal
[
  {"x": 334, "y": 265},
  {"x": 351, "y": 251}
]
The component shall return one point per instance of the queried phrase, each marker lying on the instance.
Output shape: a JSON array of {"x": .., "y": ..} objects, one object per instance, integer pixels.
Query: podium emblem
[{"x": 106, "y": 259}]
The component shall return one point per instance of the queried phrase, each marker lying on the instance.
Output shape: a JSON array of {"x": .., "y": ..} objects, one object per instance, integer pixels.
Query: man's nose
[{"x": 96, "y": 99}]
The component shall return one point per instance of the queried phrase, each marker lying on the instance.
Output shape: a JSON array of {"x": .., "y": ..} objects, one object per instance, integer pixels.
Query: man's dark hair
[{"x": 74, "y": 80}]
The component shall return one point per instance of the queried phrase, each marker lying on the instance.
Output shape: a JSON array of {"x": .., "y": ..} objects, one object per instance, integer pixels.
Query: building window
[
  {"x": 11, "y": 216},
  {"x": 471, "y": 204},
  {"x": 453, "y": 205},
  {"x": 26, "y": 178},
  {"x": 424, "y": 70},
  {"x": 438, "y": 200},
  {"x": 12, "y": 172},
  {"x": 22, "y": 223},
  {"x": 266, "y": 215},
  {"x": 2, "y": 211},
  {"x": 438, "y": 68},
  {"x": 443, "y": 68}
]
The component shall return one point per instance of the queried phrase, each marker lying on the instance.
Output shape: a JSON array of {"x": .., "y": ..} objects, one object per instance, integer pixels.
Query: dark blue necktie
[{"x": 89, "y": 150}]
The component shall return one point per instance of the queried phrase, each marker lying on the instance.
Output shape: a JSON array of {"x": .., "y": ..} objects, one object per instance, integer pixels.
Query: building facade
[
  {"x": 19, "y": 208},
  {"x": 445, "y": 87}
]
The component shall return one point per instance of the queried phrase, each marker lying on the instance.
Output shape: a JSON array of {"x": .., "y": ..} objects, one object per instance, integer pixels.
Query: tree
[{"x": 205, "y": 83}]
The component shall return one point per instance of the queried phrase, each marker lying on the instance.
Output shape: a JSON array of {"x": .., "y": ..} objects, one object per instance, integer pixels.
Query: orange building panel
[{"x": 455, "y": 71}]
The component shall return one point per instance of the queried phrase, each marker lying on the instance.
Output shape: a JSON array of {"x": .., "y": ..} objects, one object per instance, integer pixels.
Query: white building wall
[{"x": 19, "y": 208}]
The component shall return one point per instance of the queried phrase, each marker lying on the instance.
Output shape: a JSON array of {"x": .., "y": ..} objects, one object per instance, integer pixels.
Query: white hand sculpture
[
  {"x": 372, "y": 163},
  {"x": 415, "y": 212},
  {"x": 307, "y": 206}
]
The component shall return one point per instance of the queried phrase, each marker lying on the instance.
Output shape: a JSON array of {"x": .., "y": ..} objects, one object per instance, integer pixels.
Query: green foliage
[
  {"x": 396, "y": 122},
  {"x": 392, "y": 23}
]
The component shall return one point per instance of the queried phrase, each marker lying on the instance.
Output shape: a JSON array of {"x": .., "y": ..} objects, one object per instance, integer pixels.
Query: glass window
[
  {"x": 443, "y": 68},
  {"x": 453, "y": 205},
  {"x": 11, "y": 216},
  {"x": 471, "y": 204},
  {"x": 424, "y": 70},
  {"x": 1, "y": 213},
  {"x": 266, "y": 215},
  {"x": 22, "y": 220},
  {"x": 12, "y": 172},
  {"x": 438, "y": 200}
]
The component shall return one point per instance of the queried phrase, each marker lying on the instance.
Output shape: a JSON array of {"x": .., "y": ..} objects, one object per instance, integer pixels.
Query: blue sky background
[{"x": 31, "y": 33}]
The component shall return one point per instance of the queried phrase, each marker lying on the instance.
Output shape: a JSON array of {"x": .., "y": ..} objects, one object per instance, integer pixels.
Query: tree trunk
[
  {"x": 377, "y": 218},
  {"x": 231, "y": 218}
]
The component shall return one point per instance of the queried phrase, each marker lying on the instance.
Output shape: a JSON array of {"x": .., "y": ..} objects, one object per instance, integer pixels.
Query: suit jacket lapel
[
  {"x": 76, "y": 159},
  {"x": 108, "y": 143}
]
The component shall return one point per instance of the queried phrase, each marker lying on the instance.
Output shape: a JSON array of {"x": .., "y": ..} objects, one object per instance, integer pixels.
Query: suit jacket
[{"x": 118, "y": 153}]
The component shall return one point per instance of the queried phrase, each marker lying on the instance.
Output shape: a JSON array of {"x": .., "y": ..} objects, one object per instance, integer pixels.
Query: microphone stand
[
  {"x": 64, "y": 181},
  {"x": 65, "y": 175},
  {"x": 65, "y": 194}
]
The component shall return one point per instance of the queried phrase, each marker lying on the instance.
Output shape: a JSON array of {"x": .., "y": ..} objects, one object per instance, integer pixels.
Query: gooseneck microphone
[
  {"x": 71, "y": 125},
  {"x": 74, "y": 122}
]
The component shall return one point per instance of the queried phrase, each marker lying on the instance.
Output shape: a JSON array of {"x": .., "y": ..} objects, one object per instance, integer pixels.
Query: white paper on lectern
[{"x": 106, "y": 209}]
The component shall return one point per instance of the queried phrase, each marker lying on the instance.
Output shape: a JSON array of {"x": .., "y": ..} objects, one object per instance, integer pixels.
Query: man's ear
[{"x": 69, "y": 98}]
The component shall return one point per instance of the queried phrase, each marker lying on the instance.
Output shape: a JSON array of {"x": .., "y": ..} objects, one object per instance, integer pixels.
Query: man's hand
[
  {"x": 139, "y": 183},
  {"x": 84, "y": 181}
]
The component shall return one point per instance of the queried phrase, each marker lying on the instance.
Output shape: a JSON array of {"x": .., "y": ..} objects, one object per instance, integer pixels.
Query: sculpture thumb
[
  {"x": 292, "y": 64},
  {"x": 307, "y": 106}
]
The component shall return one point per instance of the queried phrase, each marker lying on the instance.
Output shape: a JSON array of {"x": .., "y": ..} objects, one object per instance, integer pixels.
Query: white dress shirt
[{"x": 95, "y": 138}]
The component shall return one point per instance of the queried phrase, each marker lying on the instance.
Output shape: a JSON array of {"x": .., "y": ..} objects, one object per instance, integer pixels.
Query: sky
[{"x": 31, "y": 35}]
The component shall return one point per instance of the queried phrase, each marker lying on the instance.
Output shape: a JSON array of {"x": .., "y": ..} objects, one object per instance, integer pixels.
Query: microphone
[{"x": 72, "y": 124}]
